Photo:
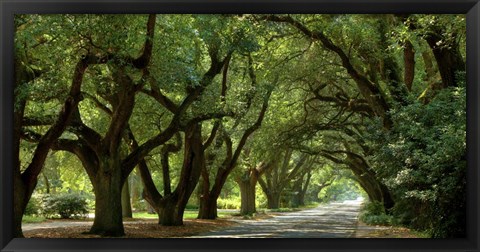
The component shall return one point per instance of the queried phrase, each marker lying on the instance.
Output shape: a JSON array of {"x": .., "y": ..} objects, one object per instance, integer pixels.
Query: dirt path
[
  {"x": 54, "y": 224},
  {"x": 334, "y": 220}
]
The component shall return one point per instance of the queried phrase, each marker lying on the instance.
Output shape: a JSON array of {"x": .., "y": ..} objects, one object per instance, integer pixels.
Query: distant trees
[
  {"x": 210, "y": 194},
  {"x": 284, "y": 168}
]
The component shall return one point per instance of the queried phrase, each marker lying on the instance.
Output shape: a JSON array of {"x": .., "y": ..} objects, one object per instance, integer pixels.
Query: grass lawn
[
  {"x": 289, "y": 209},
  {"x": 189, "y": 214},
  {"x": 32, "y": 219}
]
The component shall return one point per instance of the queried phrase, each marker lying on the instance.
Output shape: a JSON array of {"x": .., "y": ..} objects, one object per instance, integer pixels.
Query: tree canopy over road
[{"x": 169, "y": 112}]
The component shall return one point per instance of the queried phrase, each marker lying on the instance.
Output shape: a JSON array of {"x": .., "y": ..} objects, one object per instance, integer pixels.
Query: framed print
[{"x": 239, "y": 125}]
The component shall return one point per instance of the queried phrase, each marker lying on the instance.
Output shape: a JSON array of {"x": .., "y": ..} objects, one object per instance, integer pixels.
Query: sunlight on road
[{"x": 333, "y": 220}]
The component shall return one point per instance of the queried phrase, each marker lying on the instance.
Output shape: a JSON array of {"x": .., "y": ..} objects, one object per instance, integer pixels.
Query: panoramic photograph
[{"x": 239, "y": 126}]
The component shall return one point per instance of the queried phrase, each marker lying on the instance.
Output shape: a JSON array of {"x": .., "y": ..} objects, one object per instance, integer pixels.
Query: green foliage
[
  {"x": 191, "y": 207},
  {"x": 260, "y": 198},
  {"x": 228, "y": 203},
  {"x": 32, "y": 219},
  {"x": 382, "y": 219},
  {"x": 33, "y": 207},
  {"x": 139, "y": 205},
  {"x": 65, "y": 205},
  {"x": 423, "y": 160},
  {"x": 340, "y": 190},
  {"x": 282, "y": 210},
  {"x": 373, "y": 213}
]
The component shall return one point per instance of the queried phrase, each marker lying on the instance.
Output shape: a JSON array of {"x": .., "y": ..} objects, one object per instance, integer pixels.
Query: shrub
[
  {"x": 32, "y": 219},
  {"x": 66, "y": 205},
  {"x": 422, "y": 160},
  {"x": 373, "y": 213},
  {"x": 228, "y": 203},
  {"x": 33, "y": 206},
  {"x": 191, "y": 207},
  {"x": 140, "y": 205},
  {"x": 382, "y": 219},
  {"x": 374, "y": 208}
]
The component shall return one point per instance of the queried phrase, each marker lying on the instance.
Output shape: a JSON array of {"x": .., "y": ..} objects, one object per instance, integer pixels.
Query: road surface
[{"x": 334, "y": 220}]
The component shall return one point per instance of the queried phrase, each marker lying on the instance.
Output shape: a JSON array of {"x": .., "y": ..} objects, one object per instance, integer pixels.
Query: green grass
[
  {"x": 189, "y": 214},
  {"x": 32, "y": 219},
  {"x": 421, "y": 234},
  {"x": 144, "y": 215},
  {"x": 280, "y": 210},
  {"x": 292, "y": 209},
  {"x": 311, "y": 205}
]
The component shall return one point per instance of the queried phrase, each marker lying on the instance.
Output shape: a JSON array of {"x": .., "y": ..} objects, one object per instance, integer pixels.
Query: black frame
[{"x": 8, "y": 8}]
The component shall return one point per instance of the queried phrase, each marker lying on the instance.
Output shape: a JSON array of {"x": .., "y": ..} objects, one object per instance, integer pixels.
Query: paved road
[{"x": 334, "y": 220}]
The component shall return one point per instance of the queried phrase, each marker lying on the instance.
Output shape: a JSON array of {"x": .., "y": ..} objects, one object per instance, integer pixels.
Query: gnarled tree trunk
[
  {"x": 374, "y": 188},
  {"x": 168, "y": 214},
  {"x": 247, "y": 184},
  {"x": 273, "y": 199},
  {"x": 22, "y": 193},
  {"x": 126, "y": 204},
  {"x": 107, "y": 186},
  {"x": 300, "y": 189},
  {"x": 409, "y": 64},
  {"x": 448, "y": 57},
  {"x": 171, "y": 206},
  {"x": 208, "y": 208},
  {"x": 247, "y": 194}
]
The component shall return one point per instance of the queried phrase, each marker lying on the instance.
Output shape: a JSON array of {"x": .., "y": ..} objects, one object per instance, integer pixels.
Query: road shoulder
[{"x": 374, "y": 231}]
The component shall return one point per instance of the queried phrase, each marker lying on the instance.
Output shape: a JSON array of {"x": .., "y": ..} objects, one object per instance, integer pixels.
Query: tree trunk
[
  {"x": 374, "y": 188},
  {"x": 273, "y": 200},
  {"x": 300, "y": 189},
  {"x": 134, "y": 189},
  {"x": 313, "y": 195},
  {"x": 168, "y": 212},
  {"x": 47, "y": 183},
  {"x": 126, "y": 204},
  {"x": 208, "y": 208},
  {"x": 19, "y": 204},
  {"x": 429, "y": 67},
  {"x": 171, "y": 206},
  {"x": 247, "y": 194},
  {"x": 108, "y": 201},
  {"x": 193, "y": 164},
  {"x": 298, "y": 198},
  {"x": 22, "y": 192},
  {"x": 301, "y": 198},
  {"x": 409, "y": 63},
  {"x": 387, "y": 199},
  {"x": 208, "y": 200},
  {"x": 448, "y": 57},
  {"x": 150, "y": 209}
]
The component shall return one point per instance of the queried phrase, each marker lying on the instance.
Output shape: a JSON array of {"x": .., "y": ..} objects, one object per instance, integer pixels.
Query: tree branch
[
  {"x": 368, "y": 89},
  {"x": 64, "y": 116},
  {"x": 135, "y": 156}
]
